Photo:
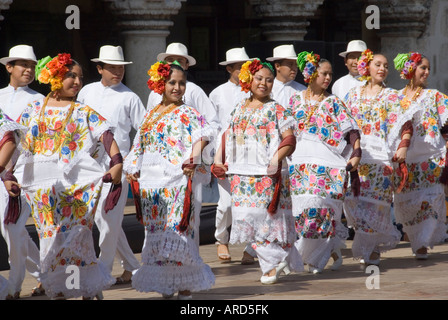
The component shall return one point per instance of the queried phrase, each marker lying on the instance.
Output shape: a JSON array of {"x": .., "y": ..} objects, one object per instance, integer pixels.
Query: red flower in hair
[
  {"x": 164, "y": 70},
  {"x": 65, "y": 59},
  {"x": 255, "y": 66}
]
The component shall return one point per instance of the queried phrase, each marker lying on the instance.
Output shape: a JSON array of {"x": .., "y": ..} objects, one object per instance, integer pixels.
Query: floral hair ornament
[
  {"x": 363, "y": 65},
  {"x": 407, "y": 63},
  {"x": 308, "y": 62},
  {"x": 52, "y": 70},
  {"x": 158, "y": 73},
  {"x": 247, "y": 71}
]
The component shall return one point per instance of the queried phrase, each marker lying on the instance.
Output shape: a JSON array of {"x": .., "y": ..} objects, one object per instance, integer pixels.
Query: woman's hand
[
  {"x": 132, "y": 177},
  {"x": 400, "y": 155},
  {"x": 116, "y": 172},
  {"x": 353, "y": 163},
  {"x": 189, "y": 172},
  {"x": 11, "y": 187}
]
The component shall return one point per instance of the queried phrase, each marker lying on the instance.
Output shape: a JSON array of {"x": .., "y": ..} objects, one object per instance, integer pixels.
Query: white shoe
[
  {"x": 338, "y": 262},
  {"x": 314, "y": 270},
  {"x": 182, "y": 297},
  {"x": 282, "y": 267},
  {"x": 421, "y": 256}
]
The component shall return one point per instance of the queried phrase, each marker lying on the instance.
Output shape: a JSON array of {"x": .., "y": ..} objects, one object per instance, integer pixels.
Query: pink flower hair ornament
[
  {"x": 363, "y": 65},
  {"x": 407, "y": 63}
]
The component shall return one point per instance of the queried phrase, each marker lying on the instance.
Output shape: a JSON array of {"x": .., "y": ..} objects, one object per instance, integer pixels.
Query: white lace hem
[
  {"x": 92, "y": 280},
  {"x": 171, "y": 279}
]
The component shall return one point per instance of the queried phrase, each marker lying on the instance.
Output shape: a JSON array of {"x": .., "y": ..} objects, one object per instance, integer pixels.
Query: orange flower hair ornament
[
  {"x": 247, "y": 71},
  {"x": 158, "y": 74},
  {"x": 53, "y": 70}
]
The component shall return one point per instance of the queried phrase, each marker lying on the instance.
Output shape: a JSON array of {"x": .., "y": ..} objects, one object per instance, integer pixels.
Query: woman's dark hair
[{"x": 177, "y": 67}]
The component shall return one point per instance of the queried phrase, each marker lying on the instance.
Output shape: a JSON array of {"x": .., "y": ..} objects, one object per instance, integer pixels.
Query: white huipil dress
[
  {"x": 62, "y": 184},
  {"x": 7, "y": 125},
  {"x": 170, "y": 257},
  {"x": 420, "y": 207},
  {"x": 370, "y": 213},
  {"x": 248, "y": 153},
  {"x": 318, "y": 176}
]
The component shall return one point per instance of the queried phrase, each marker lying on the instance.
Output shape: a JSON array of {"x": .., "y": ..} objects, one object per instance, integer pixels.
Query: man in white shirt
[
  {"x": 225, "y": 98},
  {"x": 124, "y": 111},
  {"x": 23, "y": 252},
  {"x": 343, "y": 85},
  {"x": 285, "y": 64}
]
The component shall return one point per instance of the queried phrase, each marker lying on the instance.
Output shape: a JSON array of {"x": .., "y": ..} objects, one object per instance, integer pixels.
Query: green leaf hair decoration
[
  {"x": 268, "y": 65},
  {"x": 176, "y": 63},
  {"x": 40, "y": 65},
  {"x": 301, "y": 59},
  {"x": 400, "y": 60}
]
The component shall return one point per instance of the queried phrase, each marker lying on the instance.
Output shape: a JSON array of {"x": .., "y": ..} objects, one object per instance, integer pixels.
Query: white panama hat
[
  {"x": 111, "y": 55},
  {"x": 177, "y": 49},
  {"x": 19, "y": 52},
  {"x": 235, "y": 55},
  {"x": 354, "y": 46},
  {"x": 285, "y": 51}
]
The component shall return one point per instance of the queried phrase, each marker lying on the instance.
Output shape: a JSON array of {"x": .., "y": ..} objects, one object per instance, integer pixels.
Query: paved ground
[{"x": 400, "y": 277}]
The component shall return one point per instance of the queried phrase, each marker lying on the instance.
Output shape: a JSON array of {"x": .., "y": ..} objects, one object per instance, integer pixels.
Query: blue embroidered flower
[
  {"x": 312, "y": 213},
  {"x": 65, "y": 150},
  {"x": 300, "y": 114},
  {"x": 324, "y": 132},
  {"x": 93, "y": 118},
  {"x": 313, "y": 129},
  {"x": 85, "y": 197},
  {"x": 321, "y": 169},
  {"x": 386, "y": 183},
  {"x": 35, "y": 131}
]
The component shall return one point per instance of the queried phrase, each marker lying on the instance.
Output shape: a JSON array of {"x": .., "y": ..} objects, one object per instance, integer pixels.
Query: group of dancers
[{"x": 290, "y": 161}]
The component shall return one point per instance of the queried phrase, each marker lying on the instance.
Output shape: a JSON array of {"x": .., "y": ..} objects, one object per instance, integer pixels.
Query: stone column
[
  {"x": 402, "y": 26},
  {"x": 145, "y": 26},
  {"x": 285, "y": 20}
]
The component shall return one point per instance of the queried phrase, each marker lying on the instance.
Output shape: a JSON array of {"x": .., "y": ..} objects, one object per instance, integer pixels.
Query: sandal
[
  {"x": 247, "y": 259},
  {"x": 125, "y": 278},
  {"x": 223, "y": 253},
  {"x": 16, "y": 296},
  {"x": 38, "y": 291}
]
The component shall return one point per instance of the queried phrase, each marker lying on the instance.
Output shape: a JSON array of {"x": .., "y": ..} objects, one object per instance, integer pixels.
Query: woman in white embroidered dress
[
  {"x": 255, "y": 145},
  {"x": 10, "y": 135},
  {"x": 420, "y": 206},
  {"x": 62, "y": 181},
  {"x": 165, "y": 161},
  {"x": 318, "y": 169},
  {"x": 375, "y": 109}
]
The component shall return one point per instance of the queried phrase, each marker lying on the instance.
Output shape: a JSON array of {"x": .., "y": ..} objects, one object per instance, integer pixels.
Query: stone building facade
[{"x": 210, "y": 27}]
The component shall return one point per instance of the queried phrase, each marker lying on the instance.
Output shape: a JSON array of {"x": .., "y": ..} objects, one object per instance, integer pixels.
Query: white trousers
[
  {"x": 112, "y": 239},
  {"x": 23, "y": 252}
]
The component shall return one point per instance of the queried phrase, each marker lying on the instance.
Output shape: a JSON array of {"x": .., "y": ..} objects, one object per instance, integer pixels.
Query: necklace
[
  {"x": 55, "y": 132},
  {"x": 150, "y": 121},
  {"x": 406, "y": 102},
  {"x": 363, "y": 102},
  {"x": 312, "y": 107},
  {"x": 243, "y": 121}
]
